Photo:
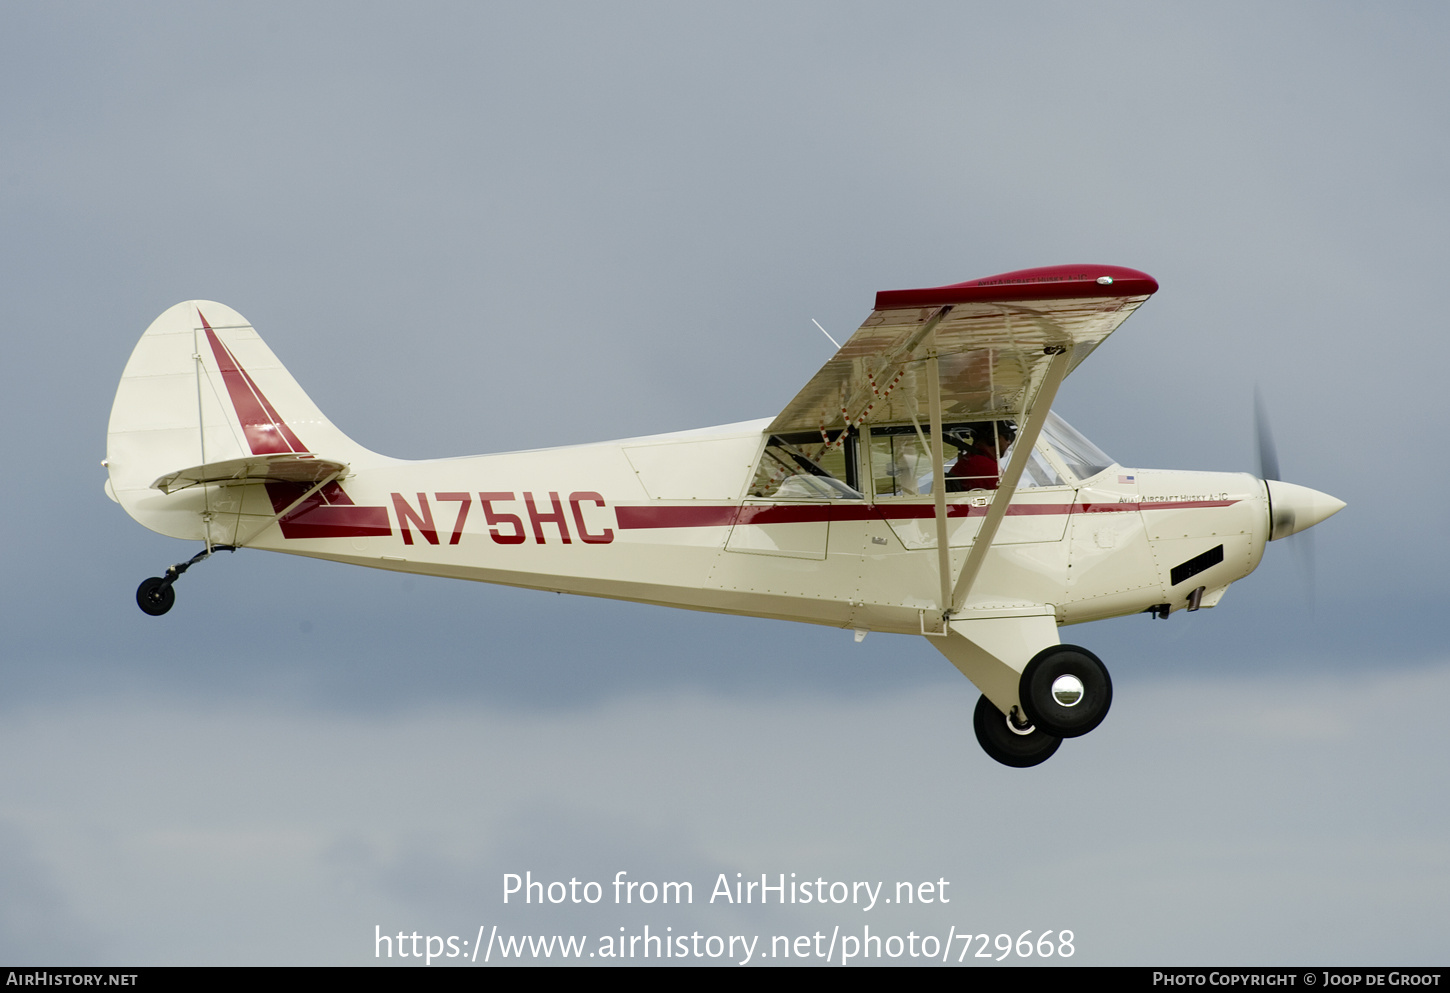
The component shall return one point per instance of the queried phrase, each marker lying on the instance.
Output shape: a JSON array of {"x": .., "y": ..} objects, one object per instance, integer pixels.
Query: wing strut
[
  {"x": 938, "y": 485},
  {"x": 939, "y": 482},
  {"x": 1021, "y": 452}
]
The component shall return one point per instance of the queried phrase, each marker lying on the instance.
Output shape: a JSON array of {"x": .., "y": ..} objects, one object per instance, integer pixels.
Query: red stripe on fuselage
[
  {"x": 328, "y": 513},
  {"x": 645, "y": 517}
]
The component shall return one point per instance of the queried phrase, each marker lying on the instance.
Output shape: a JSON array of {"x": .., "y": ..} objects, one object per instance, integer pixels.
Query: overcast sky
[{"x": 481, "y": 227}]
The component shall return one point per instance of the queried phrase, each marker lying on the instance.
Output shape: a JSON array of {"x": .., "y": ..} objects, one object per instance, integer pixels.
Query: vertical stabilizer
[{"x": 202, "y": 388}]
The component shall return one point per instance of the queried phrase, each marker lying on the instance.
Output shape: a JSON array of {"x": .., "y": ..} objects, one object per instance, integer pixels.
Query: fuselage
[
  {"x": 665, "y": 520},
  {"x": 919, "y": 483}
]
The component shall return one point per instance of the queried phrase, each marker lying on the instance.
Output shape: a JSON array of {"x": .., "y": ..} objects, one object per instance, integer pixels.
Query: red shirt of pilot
[{"x": 975, "y": 471}]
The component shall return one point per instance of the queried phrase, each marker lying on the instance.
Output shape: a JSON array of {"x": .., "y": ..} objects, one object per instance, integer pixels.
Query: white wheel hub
[{"x": 1067, "y": 690}]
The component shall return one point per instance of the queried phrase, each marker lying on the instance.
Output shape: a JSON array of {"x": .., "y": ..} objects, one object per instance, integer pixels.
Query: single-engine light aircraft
[{"x": 918, "y": 484}]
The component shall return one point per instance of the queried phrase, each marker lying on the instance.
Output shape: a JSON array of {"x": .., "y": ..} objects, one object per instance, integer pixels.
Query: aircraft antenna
[{"x": 826, "y": 333}]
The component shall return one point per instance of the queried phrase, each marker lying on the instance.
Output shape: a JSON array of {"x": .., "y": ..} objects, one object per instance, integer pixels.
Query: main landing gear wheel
[
  {"x": 1065, "y": 691},
  {"x": 1010, "y": 742},
  {"x": 155, "y": 596}
]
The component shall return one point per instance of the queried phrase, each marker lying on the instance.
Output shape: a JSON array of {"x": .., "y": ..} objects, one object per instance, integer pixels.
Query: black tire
[
  {"x": 999, "y": 740},
  {"x": 1050, "y": 714},
  {"x": 155, "y": 596}
]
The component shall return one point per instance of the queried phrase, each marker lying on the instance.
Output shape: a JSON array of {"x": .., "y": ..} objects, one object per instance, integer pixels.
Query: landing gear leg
[
  {"x": 1011, "y": 741},
  {"x": 155, "y": 595}
]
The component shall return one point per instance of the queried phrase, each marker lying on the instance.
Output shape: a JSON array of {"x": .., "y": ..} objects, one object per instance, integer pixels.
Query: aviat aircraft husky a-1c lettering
[{"x": 918, "y": 484}]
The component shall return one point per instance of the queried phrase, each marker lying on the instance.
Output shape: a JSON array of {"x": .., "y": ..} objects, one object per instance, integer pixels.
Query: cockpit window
[
  {"x": 1082, "y": 457},
  {"x": 897, "y": 460},
  {"x": 974, "y": 454},
  {"x": 807, "y": 467}
]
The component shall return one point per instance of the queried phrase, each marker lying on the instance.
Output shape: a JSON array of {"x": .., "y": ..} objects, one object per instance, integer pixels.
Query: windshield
[{"x": 1081, "y": 456}]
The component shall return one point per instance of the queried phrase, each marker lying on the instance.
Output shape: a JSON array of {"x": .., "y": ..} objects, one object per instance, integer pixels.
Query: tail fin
[{"x": 203, "y": 399}]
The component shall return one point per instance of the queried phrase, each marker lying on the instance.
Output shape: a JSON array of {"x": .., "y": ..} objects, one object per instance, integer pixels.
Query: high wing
[
  {"x": 986, "y": 349},
  {"x": 994, "y": 339}
]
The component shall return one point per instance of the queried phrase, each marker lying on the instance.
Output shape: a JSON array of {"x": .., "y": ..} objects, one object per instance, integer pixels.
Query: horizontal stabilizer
[{"x": 290, "y": 468}]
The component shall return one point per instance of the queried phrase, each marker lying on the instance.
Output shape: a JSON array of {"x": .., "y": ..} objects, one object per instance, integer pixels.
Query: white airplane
[{"x": 918, "y": 484}]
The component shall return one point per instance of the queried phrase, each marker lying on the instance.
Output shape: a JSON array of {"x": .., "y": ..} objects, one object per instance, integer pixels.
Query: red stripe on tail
[
  {"x": 266, "y": 432},
  {"x": 328, "y": 513}
]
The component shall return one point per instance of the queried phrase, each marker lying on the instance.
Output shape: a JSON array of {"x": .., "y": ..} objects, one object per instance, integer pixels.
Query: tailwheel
[
  {"x": 1010, "y": 742},
  {"x": 1065, "y": 690},
  {"x": 155, "y": 596}
]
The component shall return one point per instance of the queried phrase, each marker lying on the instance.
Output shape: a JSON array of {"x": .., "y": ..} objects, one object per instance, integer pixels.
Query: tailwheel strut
[{"x": 155, "y": 595}]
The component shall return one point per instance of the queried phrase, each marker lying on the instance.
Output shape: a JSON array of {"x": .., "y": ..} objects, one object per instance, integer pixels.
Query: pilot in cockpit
[{"x": 981, "y": 447}]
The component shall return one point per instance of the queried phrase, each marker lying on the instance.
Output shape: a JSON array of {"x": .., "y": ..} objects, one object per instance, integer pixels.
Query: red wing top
[{"x": 1058, "y": 282}]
